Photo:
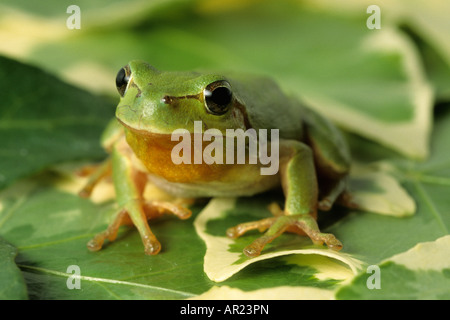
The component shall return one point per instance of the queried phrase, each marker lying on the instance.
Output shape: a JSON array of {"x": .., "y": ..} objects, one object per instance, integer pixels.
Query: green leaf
[
  {"x": 375, "y": 190},
  {"x": 438, "y": 70},
  {"x": 426, "y": 22},
  {"x": 11, "y": 279},
  {"x": 51, "y": 228},
  {"x": 98, "y": 14},
  {"x": 422, "y": 272},
  {"x": 224, "y": 256},
  {"x": 375, "y": 237},
  {"x": 430, "y": 21},
  {"x": 44, "y": 121}
]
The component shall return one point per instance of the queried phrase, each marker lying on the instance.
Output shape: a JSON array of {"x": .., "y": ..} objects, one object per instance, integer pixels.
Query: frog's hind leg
[
  {"x": 331, "y": 159},
  {"x": 331, "y": 191}
]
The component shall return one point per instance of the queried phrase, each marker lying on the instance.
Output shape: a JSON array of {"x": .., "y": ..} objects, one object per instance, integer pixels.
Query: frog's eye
[
  {"x": 122, "y": 79},
  {"x": 218, "y": 97}
]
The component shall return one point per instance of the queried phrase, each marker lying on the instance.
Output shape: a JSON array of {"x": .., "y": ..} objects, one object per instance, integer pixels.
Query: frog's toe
[
  {"x": 95, "y": 244},
  {"x": 156, "y": 208},
  {"x": 302, "y": 224},
  {"x": 333, "y": 243},
  {"x": 309, "y": 226},
  {"x": 329, "y": 239},
  {"x": 152, "y": 246},
  {"x": 325, "y": 204},
  {"x": 233, "y": 232},
  {"x": 241, "y": 229},
  {"x": 254, "y": 249}
]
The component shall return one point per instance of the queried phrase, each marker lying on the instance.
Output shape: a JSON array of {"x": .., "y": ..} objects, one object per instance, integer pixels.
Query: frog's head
[{"x": 160, "y": 102}]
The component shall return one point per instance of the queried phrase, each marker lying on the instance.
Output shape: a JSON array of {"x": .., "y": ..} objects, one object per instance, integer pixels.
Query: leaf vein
[
  {"x": 422, "y": 193},
  {"x": 105, "y": 280},
  {"x": 11, "y": 210}
]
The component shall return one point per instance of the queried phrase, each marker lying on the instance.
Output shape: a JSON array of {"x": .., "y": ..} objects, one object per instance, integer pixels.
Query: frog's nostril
[{"x": 167, "y": 99}]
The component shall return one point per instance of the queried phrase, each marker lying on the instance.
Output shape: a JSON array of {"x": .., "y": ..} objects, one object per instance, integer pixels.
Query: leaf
[
  {"x": 51, "y": 228},
  {"x": 426, "y": 23},
  {"x": 99, "y": 14},
  {"x": 277, "y": 293},
  {"x": 434, "y": 255},
  {"x": 374, "y": 237},
  {"x": 437, "y": 69},
  {"x": 422, "y": 272},
  {"x": 377, "y": 191},
  {"x": 11, "y": 279},
  {"x": 430, "y": 21},
  {"x": 224, "y": 256},
  {"x": 409, "y": 119},
  {"x": 44, "y": 121}
]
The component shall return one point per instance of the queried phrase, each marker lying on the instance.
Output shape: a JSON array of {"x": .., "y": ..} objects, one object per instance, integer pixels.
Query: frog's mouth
[
  {"x": 142, "y": 132},
  {"x": 200, "y": 129}
]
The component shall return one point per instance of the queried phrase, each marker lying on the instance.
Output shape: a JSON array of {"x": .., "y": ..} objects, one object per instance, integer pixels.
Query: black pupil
[
  {"x": 221, "y": 96},
  {"x": 121, "y": 78}
]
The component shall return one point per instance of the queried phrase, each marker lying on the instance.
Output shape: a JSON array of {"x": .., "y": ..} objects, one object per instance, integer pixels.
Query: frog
[{"x": 314, "y": 157}]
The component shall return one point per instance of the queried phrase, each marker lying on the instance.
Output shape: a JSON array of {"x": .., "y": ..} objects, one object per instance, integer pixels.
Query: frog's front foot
[
  {"x": 137, "y": 212},
  {"x": 302, "y": 224}
]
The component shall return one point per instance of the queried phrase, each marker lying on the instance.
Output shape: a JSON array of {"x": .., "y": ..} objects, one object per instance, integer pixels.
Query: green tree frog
[{"x": 313, "y": 159}]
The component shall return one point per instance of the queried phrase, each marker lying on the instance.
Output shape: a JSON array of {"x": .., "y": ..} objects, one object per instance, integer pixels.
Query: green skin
[{"x": 314, "y": 158}]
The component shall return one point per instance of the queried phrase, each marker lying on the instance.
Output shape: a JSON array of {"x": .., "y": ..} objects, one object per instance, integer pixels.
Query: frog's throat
[{"x": 154, "y": 150}]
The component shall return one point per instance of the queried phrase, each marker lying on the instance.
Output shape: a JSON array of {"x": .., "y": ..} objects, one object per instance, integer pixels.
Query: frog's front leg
[
  {"x": 129, "y": 185},
  {"x": 300, "y": 187},
  {"x": 95, "y": 174}
]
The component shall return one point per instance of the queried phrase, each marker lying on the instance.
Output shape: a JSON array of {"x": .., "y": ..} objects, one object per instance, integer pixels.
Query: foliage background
[{"x": 388, "y": 88}]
